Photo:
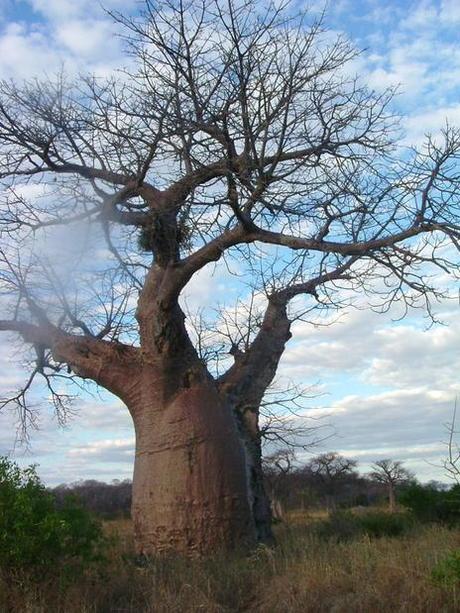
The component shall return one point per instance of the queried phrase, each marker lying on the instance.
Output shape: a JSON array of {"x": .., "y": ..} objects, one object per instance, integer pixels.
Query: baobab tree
[
  {"x": 237, "y": 133},
  {"x": 332, "y": 469},
  {"x": 391, "y": 473}
]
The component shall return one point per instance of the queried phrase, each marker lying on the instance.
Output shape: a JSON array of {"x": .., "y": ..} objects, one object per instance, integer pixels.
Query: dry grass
[{"x": 306, "y": 573}]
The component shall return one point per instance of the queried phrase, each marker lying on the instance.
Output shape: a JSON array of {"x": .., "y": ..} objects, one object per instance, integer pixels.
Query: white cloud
[
  {"x": 423, "y": 15},
  {"x": 407, "y": 356},
  {"x": 77, "y": 36},
  {"x": 369, "y": 346},
  {"x": 26, "y": 52},
  {"x": 418, "y": 125},
  {"x": 107, "y": 450},
  {"x": 409, "y": 75},
  {"x": 413, "y": 46},
  {"x": 76, "y": 451},
  {"x": 450, "y": 12},
  {"x": 89, "y": 39},
  {"x": 404, "y": 424},
  {"x": 416, "y": 370},
  {"x": 61, "y": 10}
]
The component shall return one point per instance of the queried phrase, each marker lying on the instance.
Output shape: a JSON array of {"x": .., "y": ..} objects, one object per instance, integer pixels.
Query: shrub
[
  {"x": 340, "y": 526},
  {"x": 447, "y": 571},
  {"x": 385, "y": 524},
  {"x": 35, "y": 536},
  {"x": 430, "y": 504},
  {"x": 344, "y": 525}
]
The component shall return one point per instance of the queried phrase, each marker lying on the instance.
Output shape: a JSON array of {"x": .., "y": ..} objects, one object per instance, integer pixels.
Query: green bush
[
  {"x": 340, "y": 526},
  {"x": 36, "y": 536},
  {"x": 344, "y": 525},
  {"x": 447, "y": 571},
  {"x": 431, "y": 505},
  {"x": 385, "y": 524}
]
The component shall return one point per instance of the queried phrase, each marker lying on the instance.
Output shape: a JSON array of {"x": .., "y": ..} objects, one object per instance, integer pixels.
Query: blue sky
[{"x": 386, "y": 388}]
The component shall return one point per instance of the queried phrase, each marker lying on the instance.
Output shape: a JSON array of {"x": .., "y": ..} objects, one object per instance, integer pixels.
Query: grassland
[{"x": 311, "y": 570}]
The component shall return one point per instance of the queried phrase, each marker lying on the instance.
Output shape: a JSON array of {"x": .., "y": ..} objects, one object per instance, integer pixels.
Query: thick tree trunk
[
  {"x": 244, "y": 386},
  {"x": 258, "y": 497},
  {"x": 391, "y": 498},
  {"x": 190, "y": 489}
]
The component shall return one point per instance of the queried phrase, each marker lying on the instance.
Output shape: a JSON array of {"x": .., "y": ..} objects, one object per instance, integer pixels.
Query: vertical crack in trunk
[{"x": 259, "y": 501}]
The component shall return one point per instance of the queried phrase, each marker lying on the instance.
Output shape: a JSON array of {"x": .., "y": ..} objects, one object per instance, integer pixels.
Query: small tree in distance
[
  {"x": 332, "y": 470},
  {"x": 276, "y": 467},
  {"x": 239, "y": 134},
  {"x": 391, "y": 473}
]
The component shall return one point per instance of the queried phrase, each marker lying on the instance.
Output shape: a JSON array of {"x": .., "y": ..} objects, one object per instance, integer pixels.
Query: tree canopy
[{"x": 237, "y": 127}]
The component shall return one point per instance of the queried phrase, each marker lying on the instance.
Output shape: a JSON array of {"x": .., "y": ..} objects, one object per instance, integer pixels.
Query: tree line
[{"x": 329, "y": 480}]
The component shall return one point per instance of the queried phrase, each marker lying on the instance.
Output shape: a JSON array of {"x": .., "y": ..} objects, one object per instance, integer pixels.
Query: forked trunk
[{"x": 190, "y": 489}]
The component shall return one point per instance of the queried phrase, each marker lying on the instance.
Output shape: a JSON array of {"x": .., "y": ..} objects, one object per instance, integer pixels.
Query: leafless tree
[
  {"x": 108, "y": 500},
  {"x": 451, "y": 464},
  {"x": 237, "y": 135},
  {"x": 332, "y": 469},
  {"x": 275, "y": 467},
  {"x": 391, "y": 473}
]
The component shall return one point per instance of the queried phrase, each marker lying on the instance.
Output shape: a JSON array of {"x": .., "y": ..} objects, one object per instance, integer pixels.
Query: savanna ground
[{"x": 318, "y": 565}]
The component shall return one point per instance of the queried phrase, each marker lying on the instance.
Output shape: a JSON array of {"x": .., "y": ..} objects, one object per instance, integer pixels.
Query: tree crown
[{"x": 238, "y": 132}]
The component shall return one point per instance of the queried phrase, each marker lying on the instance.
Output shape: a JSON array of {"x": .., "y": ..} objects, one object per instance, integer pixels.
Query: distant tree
[
  {"x": 391, "y": 473},
  {"x": 105, "y": 499},
  {"x": 277, "y": 466},
  {"x": 332, "y": 470},
  {"x": 430, "y": 503}
]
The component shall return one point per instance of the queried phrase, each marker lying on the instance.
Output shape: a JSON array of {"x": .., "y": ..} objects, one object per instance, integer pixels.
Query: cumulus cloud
[
  {"x": 450, "y": 12},
  {"x": 61, "y": 10},
  {"x": 107, "y": 450},
  {"x": 88, "y": 39},
  {"x": 404, "y": 424},
  {"x": 395, "y": 384},
  {"x": 77, "y": 450},
  {"x": 70, "y": 36},
  {"x": 25, "y": 51},
  {"x": 419, "y": 125}
]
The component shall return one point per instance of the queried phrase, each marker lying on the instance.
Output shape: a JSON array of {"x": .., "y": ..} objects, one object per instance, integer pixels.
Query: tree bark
[
  {"x": 258, "y": 498},
  {"x": 190, "y": 489},
  {"x": 244, "y": 386},
  {"x": 391, "y": 498}
]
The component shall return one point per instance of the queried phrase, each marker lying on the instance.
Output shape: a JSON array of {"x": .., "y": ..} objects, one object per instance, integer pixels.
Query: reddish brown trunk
[{"x": 189, "y": 488}]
